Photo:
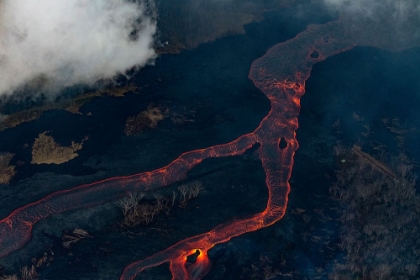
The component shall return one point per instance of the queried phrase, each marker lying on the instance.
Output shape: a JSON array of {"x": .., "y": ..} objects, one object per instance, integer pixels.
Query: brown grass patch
[
  {"x": 46, "y": 150},
  {"x": 6, "y": 171},
  {"x": 147, "y": 119}
]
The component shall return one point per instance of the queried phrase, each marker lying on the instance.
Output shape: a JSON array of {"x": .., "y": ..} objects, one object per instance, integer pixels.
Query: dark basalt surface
[{"x": 212, "y": 80}]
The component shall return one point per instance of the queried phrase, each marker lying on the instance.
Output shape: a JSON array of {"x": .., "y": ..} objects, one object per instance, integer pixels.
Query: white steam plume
[{"x": 67, "y": 42}]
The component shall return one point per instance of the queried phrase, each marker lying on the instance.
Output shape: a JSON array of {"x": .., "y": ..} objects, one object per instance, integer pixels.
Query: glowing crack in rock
[{"x": 280, "y": 74}]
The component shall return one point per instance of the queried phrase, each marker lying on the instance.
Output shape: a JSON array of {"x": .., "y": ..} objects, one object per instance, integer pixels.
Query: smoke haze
[
  {"x": 372, "y": 8},
  {"x": 63, "y": 43}
]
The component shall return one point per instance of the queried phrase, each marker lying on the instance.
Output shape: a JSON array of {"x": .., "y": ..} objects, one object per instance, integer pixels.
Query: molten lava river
[{"x": 280, "y": 74}]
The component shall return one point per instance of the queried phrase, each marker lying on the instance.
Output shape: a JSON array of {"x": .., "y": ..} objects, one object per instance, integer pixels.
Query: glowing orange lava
[{"x": 280, "y": 74}]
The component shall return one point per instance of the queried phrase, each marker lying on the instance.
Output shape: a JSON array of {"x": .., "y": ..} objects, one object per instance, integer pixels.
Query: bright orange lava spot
[{"x": 280, "y": 74}]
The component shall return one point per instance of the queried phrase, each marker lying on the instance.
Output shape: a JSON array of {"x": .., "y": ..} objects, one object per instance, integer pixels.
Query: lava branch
[
  {"x": 280, "y": 74},
  {"x": 16, "y": 229},
  {"x": 281, "y": 123},
  {"x": 277, "y": 164},
  {"x": 277, "y": 181}
]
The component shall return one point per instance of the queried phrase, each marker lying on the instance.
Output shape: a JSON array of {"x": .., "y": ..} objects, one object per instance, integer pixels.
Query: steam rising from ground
[{"x": 63, "y": 43}]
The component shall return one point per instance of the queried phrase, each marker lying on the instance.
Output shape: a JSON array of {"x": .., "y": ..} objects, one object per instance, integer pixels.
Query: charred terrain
[{"x": 297, "y": 172}]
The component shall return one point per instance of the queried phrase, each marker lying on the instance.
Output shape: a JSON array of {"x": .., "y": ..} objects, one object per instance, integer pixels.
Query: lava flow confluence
[
  {"x": 284, "y": 92},
  {"x": 280, "y": 74}
]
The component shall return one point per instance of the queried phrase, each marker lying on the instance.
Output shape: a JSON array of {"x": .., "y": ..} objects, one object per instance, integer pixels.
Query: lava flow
[{"x": 280, "y": 74}]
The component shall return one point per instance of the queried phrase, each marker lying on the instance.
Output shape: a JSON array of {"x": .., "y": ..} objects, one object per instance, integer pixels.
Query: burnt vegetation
[
  {"x": 379, "y": 215},
  {"x": 145, "y": 120},
  {"x": 137, "y": 210}
]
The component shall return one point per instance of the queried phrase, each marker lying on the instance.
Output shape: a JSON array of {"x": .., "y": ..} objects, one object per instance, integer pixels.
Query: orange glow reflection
[{"x": 280, "y": 74}]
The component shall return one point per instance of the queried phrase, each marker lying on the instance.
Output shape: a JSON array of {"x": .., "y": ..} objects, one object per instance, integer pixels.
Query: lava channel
[{"x": 280, "y": 74}]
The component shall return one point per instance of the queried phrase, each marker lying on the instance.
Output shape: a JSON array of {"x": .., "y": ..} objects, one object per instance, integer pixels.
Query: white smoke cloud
[{"x": 68, "y": 42}]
